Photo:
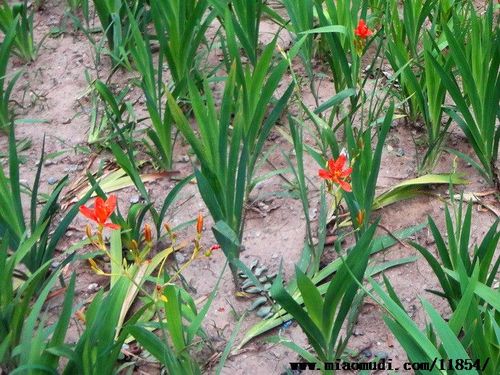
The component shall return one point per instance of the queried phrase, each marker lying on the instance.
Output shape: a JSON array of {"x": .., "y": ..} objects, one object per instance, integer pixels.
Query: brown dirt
[{"x": 53, "y": 88}]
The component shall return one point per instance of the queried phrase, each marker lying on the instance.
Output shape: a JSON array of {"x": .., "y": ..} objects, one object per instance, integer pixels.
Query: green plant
[
  {"x": 129, "y": 279},
  {"x": 12, "y": 218},
  {"x": 468, "y": 336},
  {"x": 180, "y": 28},
  {"x": 365, "y": 164},
  {"x": 118, "y": 116},
  {"x": 21, "y": 341},
  {"x": 6, "y": 87},
  {"x": 18, "y": 17},
  {"x": 466, "y": 341},
  {"x": 182, "y": 325},
  {"x": 100, "y": 344},
  {"x": 475, "y": 88},
  {"x": 127, "y": 161},
  {"x": 320, "y": 277},
  {"x": 454, "y": 254},
  {"x": 322, "y": 317},
  {"x": 301, "y": 15},
  {"x": 74, "y": 5},
  {"x": 337, "y": 21},
  {"x": 242, "y": 18},
  {"x": 422, "y": 91},
  {"x": 116, "y": 17},
  {"x": 228, "y": 154}
]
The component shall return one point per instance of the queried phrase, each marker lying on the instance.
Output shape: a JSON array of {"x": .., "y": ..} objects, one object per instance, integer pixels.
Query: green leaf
[
  {"x": 413, "y": 187},
  {"x": 450, "y": 342}
]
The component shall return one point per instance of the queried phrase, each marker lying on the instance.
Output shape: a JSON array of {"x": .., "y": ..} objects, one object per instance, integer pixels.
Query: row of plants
[{"x": 435, "y": 49}]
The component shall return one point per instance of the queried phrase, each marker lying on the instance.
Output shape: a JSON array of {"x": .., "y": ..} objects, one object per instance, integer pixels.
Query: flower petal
[
  {"x": 331, "y": 165},
  {"x": 87, "y": 212},
  {"x": 345, "y": 186},
  {"x": 346, "y": 172},
  {"x": 323, "y": 173},
  {"x": 339, "y": 163},
  {"x": 110, "y": 204},
  {"x": 112, "y": 226}
]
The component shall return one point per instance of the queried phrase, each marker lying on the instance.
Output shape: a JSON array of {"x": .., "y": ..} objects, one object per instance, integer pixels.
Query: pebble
[
  {"x": 366, "y": 353},
  {"x": 400, "y": 152},
  {"x": 381, "y": 355},
  {"x": 69, "y": 233},
  {"x": 48, "y": 162},
  {"x": 135, "y": 199},
  {"x": 71, "y": 168},
  {"x": 92, "y": 287},
  {"x": 179, "y": 257},
  {"x": 52, "y": 180},
  {"x": 55, "y": 264}
]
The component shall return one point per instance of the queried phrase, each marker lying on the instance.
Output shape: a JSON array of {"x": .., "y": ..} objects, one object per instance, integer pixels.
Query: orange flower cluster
[
  {"x": 362, "y": 30},
  {"x": 101, "y": 212},
  {"x": 337, "y": 173}
]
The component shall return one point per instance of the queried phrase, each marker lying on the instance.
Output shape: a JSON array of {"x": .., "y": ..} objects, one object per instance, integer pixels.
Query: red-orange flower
[
  {"x": 336, "y": 173},
  {"x": 101, "y": 212},
  {"x": 362, "y": 30}
]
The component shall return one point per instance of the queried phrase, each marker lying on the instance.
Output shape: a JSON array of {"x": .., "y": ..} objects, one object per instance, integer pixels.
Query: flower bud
[
  {"x": 147, "y": 233},
  {"x": 360, "y": 217},
  {"x": 212, "y": 248},
  {"x": 167, "y": 228},
  {"x": 88, "y": 231},
  {"x": 199, "y": 223}
]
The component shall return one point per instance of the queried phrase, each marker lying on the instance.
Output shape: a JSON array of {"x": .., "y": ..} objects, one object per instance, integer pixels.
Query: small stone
[
  {"x": 381, "y": 355},
  {"x": 389, "y": 148},
  {"x": 357, "y": 332},
  {"x": 400, "y": 152},
  {"x": 48, "y": 162},
  {"x": 180, "y": 258},
  {"x": 71, "y": 169},
  {"x": 55, "y": 264},
  {"x": 135, "y": 199},
  {"x": 52, "y": 180},
  {"x": 69, "y": 233},
  {"x": 92, "y": 287},
  {"x": 367, "y": 353},
  {"x": 184, "y": 159}
]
